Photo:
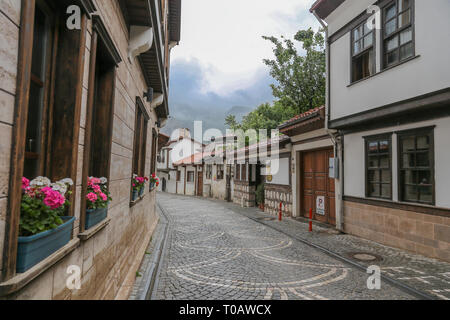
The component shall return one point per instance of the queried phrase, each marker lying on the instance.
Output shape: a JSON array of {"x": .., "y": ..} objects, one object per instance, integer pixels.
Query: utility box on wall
[{"x": 334, "y": 168}]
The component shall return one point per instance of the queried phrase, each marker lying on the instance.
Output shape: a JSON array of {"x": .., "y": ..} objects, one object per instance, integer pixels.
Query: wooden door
[
  {"x": 200, "y": 184},
  {"x": 316, "y": 185}
]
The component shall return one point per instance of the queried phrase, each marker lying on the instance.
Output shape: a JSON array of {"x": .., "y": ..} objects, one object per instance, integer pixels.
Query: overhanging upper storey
[
  {"x": 146, "y": 13},
  {"x": 174, "y": 20},
  {"x": 323, "y": 8}
]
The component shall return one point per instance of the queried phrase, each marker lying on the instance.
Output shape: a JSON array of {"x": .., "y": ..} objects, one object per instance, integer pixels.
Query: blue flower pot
[
  {"x": 141, "y": 192},
  {"x": 94, "y": 217},
  {"x": 34, "y": 249},
  {"x": 152, "y": 185},
  {"x": 135, "y": 195}
]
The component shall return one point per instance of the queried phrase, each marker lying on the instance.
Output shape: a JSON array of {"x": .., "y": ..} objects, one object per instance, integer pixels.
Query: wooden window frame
[
  {"x": 23, "y": 80},
  {"x": 188, "y": 178},
  {"x": 368, "y": 140},
  {"x": 426, "y": 131},
  {"x": 99, "y": 33},
  {"x": 178, "y": 175},
  {"x": 154, "y": 151},
  {"x": 385, "y": 38},
  {"x": 363, "y": 51},
  {"x": 139, "y": 160},
  {"x": 238, "y": 172}
]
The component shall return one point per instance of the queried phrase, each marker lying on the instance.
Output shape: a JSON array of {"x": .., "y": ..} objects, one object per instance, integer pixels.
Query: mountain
[{"x": 185, "y": 116}]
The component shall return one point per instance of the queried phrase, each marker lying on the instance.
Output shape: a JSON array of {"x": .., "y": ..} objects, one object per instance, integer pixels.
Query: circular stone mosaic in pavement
[{"x": 214, "y": 253}]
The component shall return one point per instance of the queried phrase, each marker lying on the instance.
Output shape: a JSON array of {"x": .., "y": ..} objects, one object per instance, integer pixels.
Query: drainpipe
[{"x": 336, "y": 137}]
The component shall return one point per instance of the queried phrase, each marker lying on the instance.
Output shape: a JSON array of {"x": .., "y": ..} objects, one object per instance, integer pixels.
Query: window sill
[
  {"x": 382, "y": 71},
  {"x": 135, "y": 202},
  {"x": 84, "y": 236},
  {"x": 23, "y": 279}
]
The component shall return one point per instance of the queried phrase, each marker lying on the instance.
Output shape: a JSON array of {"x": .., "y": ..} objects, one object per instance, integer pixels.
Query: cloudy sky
[{"x": 218, "y": 64}]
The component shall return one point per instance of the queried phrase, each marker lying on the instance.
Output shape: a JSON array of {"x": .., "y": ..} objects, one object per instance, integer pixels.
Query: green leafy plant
[
  {"x": 43, "y": 205},
  {"x": 98, "y": 195},
  {"x": 260, "y": 196},
  {"x": 138, "y": 183}
]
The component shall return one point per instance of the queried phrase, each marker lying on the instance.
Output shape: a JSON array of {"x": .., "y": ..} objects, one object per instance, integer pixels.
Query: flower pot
[
  {"x": 141, "y": 192},
  {"x": 135, "y": 195},
  {"x": 32, "y": 250},
  {"x": 152, "y": 186},
  {"x": 94, "y": 217}
]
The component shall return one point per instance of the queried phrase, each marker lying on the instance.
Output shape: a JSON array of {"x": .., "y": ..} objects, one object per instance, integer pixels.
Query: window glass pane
[
  {"x": 366, "y": 29},
  {"x": 411, "y": 193},
  {"x": 386, "y": 176},
  {"x": 374, "y": 190},
  {"x": 373, "y": 162},
  {"x": 410, "y": 177},
  {"x": 408, "y": 160},
  {"x": 357, "y": 33},
  {"x": 39, "y": 43},
  {"x": 408, "y": 144},
  {"x": 406, "y": 51},
  {"x": 385, "y": 162},
  {"x": 357, "y": 47},
  {"x": 392, "y": 43},
  {"x": 406, "y": 36},
  {"x": 391, "y": 26},
  {"x": 426, "y": 194},
  {"x": 373, "y": 147},
  {"x": 392, "y": 57},
  {"x": 423, "y": 143},
  {"x": 404, "y": 4},
  {"x": 384, "y": 146},
  {"x": 386, "y": 191},
  {"x": 404, "y": 19},
  {"x": 368, "y": 40},
  {"x": 424, "y": 177},
  {"x": 391, "y": 12},
  {"x": 374, "y": 176},
  {"x": 422, "y": 159}
]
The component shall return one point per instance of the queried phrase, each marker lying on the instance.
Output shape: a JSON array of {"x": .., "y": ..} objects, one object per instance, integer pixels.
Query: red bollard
[
  {"x": 310, "y": 220},
  {"x": 280, "y": 215}
]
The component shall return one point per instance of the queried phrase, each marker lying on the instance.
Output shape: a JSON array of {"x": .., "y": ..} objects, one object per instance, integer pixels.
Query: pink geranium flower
[
  {"x": 96, "y": 188},
  {"x": 25, "y": 183},
  {"x": 92, "y": 197},
  {"x": 53, "y": 199},
  {"x": 103, "y": 196}
]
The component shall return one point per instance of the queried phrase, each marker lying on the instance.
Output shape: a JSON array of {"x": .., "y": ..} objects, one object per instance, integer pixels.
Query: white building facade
[{"x": 389, "y": 107}]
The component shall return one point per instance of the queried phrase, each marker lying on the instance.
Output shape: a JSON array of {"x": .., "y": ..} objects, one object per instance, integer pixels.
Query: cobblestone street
[{"x": 215, "y": 253}]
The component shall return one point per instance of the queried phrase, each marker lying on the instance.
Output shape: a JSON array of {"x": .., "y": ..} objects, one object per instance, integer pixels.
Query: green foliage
[
  {"x": 260, "y": 196},
  {"x": 300, "y": 77},
  {"x": 36, "y": 217},
  {"x": 300, "y": 82},
  {"x": 266, "y": 116}
]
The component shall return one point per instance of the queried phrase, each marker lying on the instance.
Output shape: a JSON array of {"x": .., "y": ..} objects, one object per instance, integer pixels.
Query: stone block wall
[
  {"x": 419, "y": 233},
  {"x": 276, "y": 194},
  {"x": 244, "y": 192},
  {"x": 107, "y": 258}
]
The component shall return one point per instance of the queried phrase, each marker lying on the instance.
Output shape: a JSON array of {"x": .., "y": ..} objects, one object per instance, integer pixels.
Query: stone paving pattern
[
  {"x": 421, "y": 273},
  {"x": 215, "y": 252}
]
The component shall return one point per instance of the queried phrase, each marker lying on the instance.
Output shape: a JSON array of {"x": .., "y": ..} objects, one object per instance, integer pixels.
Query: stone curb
[{"x": 144, "y": 288}]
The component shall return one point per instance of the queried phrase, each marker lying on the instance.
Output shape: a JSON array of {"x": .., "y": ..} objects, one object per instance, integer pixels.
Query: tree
[
  {"x": 300, "y": 78},
  {"x": 266, "y": 116}
]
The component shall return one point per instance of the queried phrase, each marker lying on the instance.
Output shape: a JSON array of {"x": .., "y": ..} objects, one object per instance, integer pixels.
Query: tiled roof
[{"x": 307, "y": 115}]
